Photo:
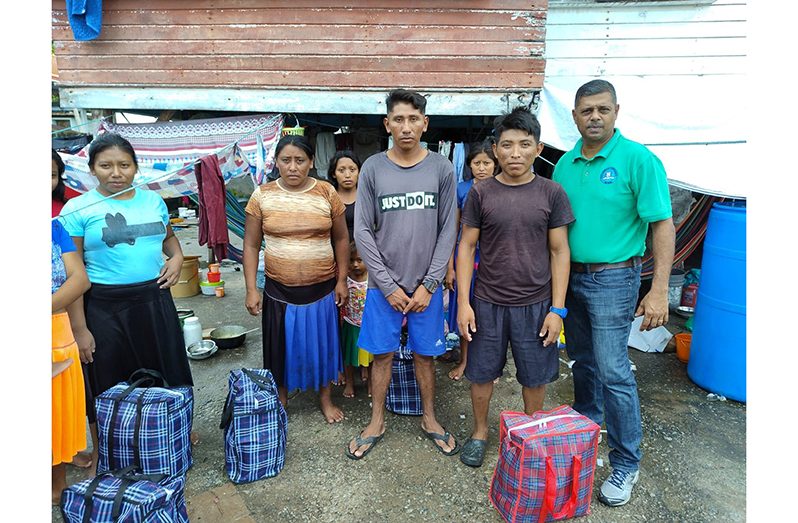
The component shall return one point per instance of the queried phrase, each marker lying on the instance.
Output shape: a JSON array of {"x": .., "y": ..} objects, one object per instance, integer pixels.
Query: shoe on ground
[
  {"x": 473, "y": 452},
  {"x": 617, "y": 489}
]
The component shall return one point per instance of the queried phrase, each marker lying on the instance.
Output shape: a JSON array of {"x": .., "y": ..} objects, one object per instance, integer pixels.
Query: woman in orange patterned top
[{"x": 306, "y": 258}]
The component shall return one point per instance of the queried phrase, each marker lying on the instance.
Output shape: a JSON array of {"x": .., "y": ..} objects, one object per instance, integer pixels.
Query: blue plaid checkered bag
[
  {"x": 546, "y": 465},
  {"x": 125, "y": 496},
  {"x": 255, "y": 427},
  {"x": 403, "y": 395},
  {"x": 143, "y": 422}
]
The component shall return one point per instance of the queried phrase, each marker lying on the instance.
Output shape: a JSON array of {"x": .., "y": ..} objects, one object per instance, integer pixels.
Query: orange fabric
[{"x": 69, "y": 404}]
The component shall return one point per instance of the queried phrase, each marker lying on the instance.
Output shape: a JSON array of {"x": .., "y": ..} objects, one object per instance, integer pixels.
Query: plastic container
[
  {"x": 219, "y": 291},
  {"x": 683, "y": 340},
  {"x": 214, "y": 267},
  {"x": 209, "y": 289},
  {"x": 718, "y": 349},
  {"x": 675, "y": 283},
  {"x": 192, "y": 331},
  {"x": 214, "y": 277},
  {"x": 188, "y": 281}
]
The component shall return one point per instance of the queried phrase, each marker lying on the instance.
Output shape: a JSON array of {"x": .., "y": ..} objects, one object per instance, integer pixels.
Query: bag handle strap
[
  {"x": 128, "y": 476},
  {"x": 152, "y": 375},
  {"x": 137, "y": 430},
  {"x": 541, "y": 421},
  {"x": 550, "y": 492},
  {"x": 116, "y": 509},
  {"x": 227, "y": 413},
  {"x": 88, "y": 501},
  {"x": 141, "y": 377},
  {"x": 259, "y": 380}
]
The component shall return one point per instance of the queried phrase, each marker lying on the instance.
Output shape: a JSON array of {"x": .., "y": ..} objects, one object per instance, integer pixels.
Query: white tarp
[{"x": 694, "y": 125}]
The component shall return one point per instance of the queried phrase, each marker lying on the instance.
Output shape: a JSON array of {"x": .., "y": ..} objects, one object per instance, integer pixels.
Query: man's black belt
[{"x": 634, "y": 261}]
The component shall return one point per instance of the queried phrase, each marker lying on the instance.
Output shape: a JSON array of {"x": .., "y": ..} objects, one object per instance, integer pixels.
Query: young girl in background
[
  {"x": 352, "y": 312},
  {"x": 483, "y": 165},
  {"x": 343, "y": 173},
  {"x": 69, "y": 282}
]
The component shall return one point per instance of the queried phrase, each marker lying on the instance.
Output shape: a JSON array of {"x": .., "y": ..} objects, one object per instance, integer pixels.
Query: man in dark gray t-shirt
[
  {"x": 521, "y": 222},
  {"x": 405, "y": 232}
]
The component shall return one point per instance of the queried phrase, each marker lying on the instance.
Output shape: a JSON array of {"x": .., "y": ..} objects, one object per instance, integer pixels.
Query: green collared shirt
[{"x": 614, "y": 196}]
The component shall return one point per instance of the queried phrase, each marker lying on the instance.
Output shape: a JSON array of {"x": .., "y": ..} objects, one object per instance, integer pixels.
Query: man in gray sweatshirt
[{"x": 404, "y": 231}]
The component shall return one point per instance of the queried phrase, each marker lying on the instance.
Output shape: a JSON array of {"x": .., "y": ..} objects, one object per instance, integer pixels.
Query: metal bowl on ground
[
  {"x": 201, "y": 350},
  {"x": 685, "y": 311},
  {"x": 229, "y": 336}
]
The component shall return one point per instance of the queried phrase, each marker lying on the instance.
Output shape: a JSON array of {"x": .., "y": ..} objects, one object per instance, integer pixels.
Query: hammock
[
  {"x": 236, "y": 218},
  {"x": 689, "y": 234}
]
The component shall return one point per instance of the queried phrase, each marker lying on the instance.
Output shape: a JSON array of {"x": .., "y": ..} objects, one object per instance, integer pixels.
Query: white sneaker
[{"x": 617, "y": 489}]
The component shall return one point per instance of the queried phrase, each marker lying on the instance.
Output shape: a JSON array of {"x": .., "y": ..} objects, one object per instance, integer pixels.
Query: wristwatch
[
  {"x": 430, "y": 284},
  {"x": 562, "y": 313}
]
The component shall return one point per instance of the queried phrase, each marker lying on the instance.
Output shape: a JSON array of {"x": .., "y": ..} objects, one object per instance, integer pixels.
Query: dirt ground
[{"x": 693, "y": 467}]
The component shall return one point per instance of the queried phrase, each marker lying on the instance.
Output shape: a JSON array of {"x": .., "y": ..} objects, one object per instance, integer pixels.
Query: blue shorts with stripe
[{"x": 382, "y": 326}]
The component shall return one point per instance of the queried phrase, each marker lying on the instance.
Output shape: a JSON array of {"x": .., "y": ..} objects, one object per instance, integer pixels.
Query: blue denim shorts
[
  {"x": 382, "y": 325},
  {"x": 520, "y": 326}
]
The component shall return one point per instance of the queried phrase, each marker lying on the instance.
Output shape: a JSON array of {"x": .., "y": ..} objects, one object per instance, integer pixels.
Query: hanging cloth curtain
[{"x": 458, "y": 159}]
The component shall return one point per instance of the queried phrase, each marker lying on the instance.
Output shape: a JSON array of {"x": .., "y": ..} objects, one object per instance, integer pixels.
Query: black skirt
[{"x": 135, "y": 327}]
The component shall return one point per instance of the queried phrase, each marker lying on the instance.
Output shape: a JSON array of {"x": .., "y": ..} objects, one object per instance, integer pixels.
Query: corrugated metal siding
[
  {"x": 641, "y": 40},
  {"x": 450, "y": 45}
]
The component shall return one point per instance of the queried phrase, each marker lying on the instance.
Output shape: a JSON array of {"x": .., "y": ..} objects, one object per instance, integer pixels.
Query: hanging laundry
[
  {"x": 212, "y": 215},
  {"x": 445, "y": 148},
  {"x": 325, "y": 150},
  {"x": 85, "y": 18},
  {"x": 458, "y": 159}
]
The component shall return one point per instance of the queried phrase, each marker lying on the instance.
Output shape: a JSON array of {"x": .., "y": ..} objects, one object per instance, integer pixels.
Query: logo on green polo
[{"x": 608, "y": 175}]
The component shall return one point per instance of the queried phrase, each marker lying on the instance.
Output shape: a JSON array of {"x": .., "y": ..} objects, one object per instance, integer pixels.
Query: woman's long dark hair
[
  {"x": 107, "y": 141},
  {"x": 58, "y": 192},
  {"x": 485, "y": 146},
  {"x": 334, "y": 165}
]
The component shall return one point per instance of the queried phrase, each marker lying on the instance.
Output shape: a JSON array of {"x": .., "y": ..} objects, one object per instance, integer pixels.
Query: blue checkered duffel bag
[
  {"x": 403, "y": 395},
  {"x": 125, "y": 496},
  {"x": 143, "y": 422},
  {"x": 255, "y": 427}
]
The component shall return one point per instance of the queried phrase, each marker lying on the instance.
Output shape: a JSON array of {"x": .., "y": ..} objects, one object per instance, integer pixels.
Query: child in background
[
  {"x": 69, "y": 282},
  {"x": 352, "y": 312},
  {"x": 483, "y": 166}
]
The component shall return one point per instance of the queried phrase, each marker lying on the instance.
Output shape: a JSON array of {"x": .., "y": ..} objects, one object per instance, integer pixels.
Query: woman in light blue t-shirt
[{"x": 123, "y": 233}]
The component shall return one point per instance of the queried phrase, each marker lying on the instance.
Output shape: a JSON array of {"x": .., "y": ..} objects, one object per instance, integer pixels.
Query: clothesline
[
  {"x": 154, "y": 169},
  {"x": 91, "y": 122}
]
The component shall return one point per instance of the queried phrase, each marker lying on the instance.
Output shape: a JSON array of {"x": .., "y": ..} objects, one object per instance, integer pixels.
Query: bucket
[
  {"x": 718, "y": 348},
  {"x": 214, "y": 277},
  {"x": 683, "y": 346},
  {"x": 188, "y": 282},
  {"x": 675, "y": 283}
]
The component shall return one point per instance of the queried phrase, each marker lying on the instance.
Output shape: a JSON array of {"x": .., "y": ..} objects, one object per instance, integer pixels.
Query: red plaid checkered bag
[{"x": 546, "y": 465}]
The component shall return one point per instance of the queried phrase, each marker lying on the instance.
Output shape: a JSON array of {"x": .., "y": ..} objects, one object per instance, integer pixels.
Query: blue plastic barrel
[{"x": 717, "y": 350}]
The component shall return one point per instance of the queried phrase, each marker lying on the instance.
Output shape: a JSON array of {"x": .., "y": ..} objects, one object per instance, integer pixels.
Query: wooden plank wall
[{"x": 453, "y": 45}]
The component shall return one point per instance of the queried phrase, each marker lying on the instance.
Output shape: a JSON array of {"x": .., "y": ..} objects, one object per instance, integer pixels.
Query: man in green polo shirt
[{"x": 617, "y": 188}]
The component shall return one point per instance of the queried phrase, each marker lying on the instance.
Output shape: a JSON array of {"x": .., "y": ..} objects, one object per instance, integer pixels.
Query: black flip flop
[
  {"x": 473, "y": 452},
  {"x": 444, "y": 438},
  {"x": 371, "y": 441}
]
